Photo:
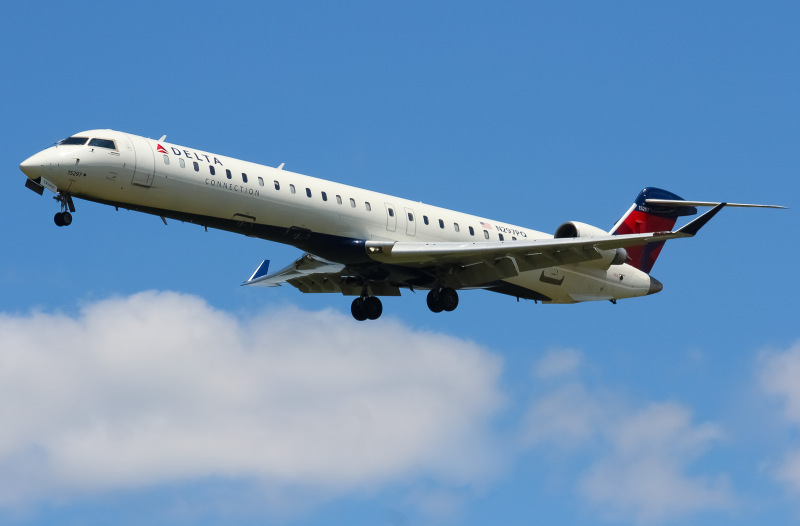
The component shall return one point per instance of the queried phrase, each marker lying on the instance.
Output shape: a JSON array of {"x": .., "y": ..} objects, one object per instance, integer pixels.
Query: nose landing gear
[{"x": 64, "y": 218}]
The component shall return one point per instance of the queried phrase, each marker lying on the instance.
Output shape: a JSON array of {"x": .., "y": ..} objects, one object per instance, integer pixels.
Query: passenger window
[
  {"x": 211, "y": 169},
  {"x": 410, "y": 216},
  {"x": 352, "y": 203},
  {"x": 441, "y": 224},
  {"x": 486, "y": 234},
  {"x": 513, "y": 238},
  {"x": 425, "y": 219},
  {"x": 260, "y": 181},
  {"x": 228, "y": 174},
  {"x": 182, "y": 162},
  {"x": 308, "y": 192},
  {"x": 338, "y": 199},
  {"x": 500, "y": 236},
  {"x": 166, "y": 159},
  {"x": 291, "y": 188},
  {"x": 456, "y": 227},
  {"x": 196, "y": 166},
  {"x": 324, "y": 196},
  {"x": 277, "y": 185},
  {"x": 471, "y": 231},
  {"x": 244, "y": 177},
  {"x": 391, "y": 212},
  {"x": 369, "y": 208}
]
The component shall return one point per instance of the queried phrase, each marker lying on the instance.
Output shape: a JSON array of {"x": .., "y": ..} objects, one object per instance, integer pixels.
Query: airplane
[{"x": 359, "y": 242}]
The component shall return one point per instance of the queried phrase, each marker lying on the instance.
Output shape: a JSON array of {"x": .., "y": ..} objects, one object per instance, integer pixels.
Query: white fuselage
[{"x": 218, "y": 191}]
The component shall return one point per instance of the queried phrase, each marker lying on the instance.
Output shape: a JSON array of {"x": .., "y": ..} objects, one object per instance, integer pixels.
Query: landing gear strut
[
  {"x": 366, "y": 308},
  {"x": 64, "y": 218},
  {"x": 442, "y": 299}
]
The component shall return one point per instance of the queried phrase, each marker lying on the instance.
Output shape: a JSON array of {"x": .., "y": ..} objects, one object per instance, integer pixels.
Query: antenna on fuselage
[{"x": 163, "y": 137}]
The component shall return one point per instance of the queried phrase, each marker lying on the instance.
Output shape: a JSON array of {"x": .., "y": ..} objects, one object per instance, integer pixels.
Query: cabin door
[{"x": 144, "y": 170}]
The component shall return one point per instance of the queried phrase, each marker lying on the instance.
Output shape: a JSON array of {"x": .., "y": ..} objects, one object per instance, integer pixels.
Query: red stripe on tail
[{"x": 643, "y": 218}]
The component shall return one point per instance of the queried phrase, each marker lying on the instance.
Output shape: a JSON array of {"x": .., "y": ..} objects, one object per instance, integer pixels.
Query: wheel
[
  {"x": 357, "y": 309},
  {"x": 59, "y": 219},
  {"x": 66, "y": 217},
  {"x": 373, "y": 307},
  {"x": 448, "y": 299},
  {"x": 433, "y": 301}
]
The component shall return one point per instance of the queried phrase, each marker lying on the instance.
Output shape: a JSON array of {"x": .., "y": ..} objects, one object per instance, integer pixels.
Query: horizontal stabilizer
[{"x": 705, "y": 203}]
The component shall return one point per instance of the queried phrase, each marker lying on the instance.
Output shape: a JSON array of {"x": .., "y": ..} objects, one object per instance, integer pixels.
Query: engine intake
[
  {"x": 571, "y": 229},
  {"x": 578, "y": 229}
]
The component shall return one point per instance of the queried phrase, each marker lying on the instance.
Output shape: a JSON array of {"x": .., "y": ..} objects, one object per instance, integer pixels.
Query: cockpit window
[
  {"x": 103, "y": 143},
  {"x": 72, "y": 141}
]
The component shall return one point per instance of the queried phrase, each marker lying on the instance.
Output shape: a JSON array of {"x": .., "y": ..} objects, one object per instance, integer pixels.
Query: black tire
[
  {"x": 357, "y": 309},
  {"x": 448, "y": 299},
  {"x": 373, "y": 307},
  {"x": 433, "y": 301},
  {"x": 66, "y": 218},
  {"x": 59, "y": 219}
]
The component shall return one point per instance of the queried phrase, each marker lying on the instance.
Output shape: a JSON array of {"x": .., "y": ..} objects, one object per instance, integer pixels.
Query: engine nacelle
[
  {"x": 578, "y": 229},
  {"x": 616, "y": 256}
]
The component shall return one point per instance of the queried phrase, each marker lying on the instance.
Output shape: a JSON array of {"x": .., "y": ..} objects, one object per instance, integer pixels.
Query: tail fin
[{"x": 643, "y": 217}]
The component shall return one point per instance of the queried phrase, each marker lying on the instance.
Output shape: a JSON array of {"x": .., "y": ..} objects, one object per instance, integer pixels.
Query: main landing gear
[
  {"x": 370, "y": 307},
  {"x": 366, "y": 308},
  {"x": 442, "y": 299},
  {"x": 64, "y": 218}
]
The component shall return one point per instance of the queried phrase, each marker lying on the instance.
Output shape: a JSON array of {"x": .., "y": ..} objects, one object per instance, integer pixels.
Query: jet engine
[{"x": 606, "y": 258}]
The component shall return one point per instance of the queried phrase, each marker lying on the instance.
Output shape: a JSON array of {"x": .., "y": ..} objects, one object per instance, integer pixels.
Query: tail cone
[{"x": 655, "y": 286}]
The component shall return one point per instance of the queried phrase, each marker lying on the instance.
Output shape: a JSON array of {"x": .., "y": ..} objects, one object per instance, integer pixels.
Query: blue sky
[{"x": 140, "y": 384}]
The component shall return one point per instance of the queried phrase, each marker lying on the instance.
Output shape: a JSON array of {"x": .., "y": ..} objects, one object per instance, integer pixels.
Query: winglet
[
  {"x": 260, "y": 272},
  {"x": 693, "y": 227}
]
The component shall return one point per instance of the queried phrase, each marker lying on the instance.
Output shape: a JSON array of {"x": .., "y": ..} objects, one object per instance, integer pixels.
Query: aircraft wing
[
  {"x": 307, "y": 265},
  {"x": 522, "y": 254},
  {"x": 314, "y": 274},
  {"x": 466, "y": 265}
]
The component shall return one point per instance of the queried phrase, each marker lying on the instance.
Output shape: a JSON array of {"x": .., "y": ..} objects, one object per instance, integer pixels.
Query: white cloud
[
  {"x": 789, "y": 471},
  {"x": 638, "y": 458},
  {"x": 779, "y": 373},
  {"x": 642, "y": 476},
  {"x": 160, "y": 387},
  {"x": 557, "y": 363},
  {"x": 567, "y": 417},
  {"x": 778, "y": 376}
]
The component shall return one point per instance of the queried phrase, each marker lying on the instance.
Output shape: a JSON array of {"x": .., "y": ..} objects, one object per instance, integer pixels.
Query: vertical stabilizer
[{"x": 643, "y": 217}]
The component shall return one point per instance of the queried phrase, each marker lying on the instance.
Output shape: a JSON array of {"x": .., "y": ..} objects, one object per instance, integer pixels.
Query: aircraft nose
[
  {"x": 34, "y": 165},
  {"x": 655, "y": 286}
]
